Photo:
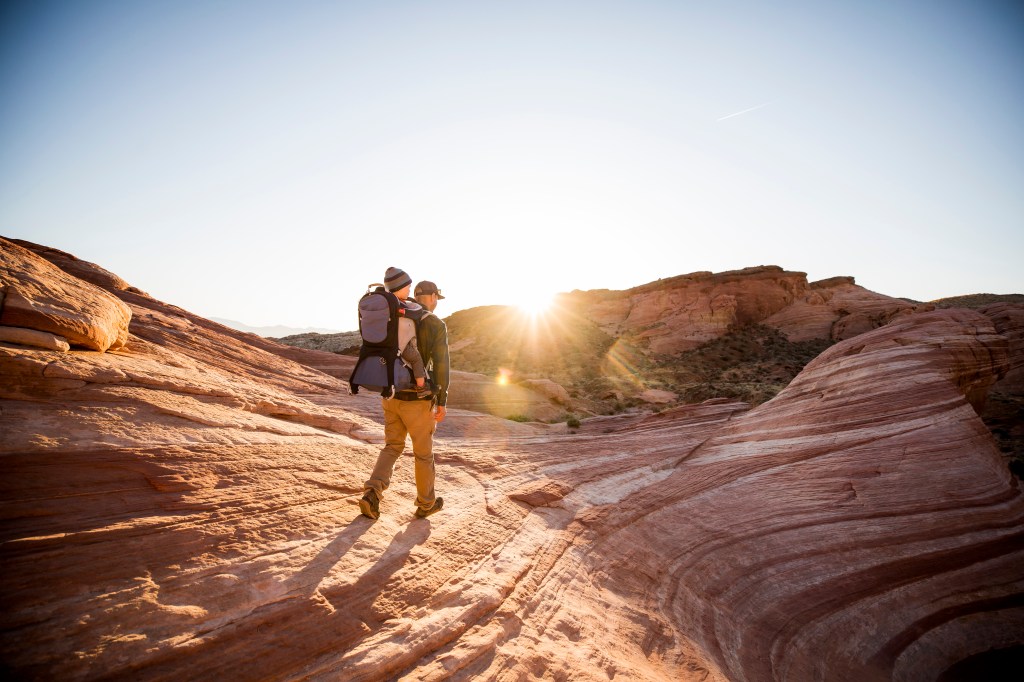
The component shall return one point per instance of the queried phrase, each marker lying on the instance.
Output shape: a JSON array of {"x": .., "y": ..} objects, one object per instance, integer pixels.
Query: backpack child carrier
[{"x": 385, "y": 324}]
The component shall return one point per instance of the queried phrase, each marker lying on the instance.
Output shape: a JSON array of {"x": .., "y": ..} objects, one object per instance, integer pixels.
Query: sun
[{"x": 535, "y": 304}]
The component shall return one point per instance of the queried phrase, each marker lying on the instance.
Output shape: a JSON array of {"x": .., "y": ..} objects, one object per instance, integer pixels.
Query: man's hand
[{"x": 439, "y": 414}]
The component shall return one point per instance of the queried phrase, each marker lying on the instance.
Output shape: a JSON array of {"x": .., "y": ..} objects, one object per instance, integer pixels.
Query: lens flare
[{"x": 621, "y": 362}]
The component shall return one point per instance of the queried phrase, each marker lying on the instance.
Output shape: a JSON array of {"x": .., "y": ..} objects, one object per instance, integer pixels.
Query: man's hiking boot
[
  {"x": 369, "y": 504},
  {"x": 424, "y": 513}
]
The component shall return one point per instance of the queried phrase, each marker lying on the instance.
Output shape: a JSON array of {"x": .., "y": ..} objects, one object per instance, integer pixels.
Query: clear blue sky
[{"x": 265, "y": 161}]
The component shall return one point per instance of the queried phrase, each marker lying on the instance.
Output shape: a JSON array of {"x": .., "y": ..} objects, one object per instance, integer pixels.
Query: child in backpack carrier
[{"x": 410, "y": 352}]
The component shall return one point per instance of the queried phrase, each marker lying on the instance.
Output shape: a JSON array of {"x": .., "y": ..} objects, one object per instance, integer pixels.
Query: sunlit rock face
[
  {"x": 184, "y": 507},
  {"x": 39, "y": 296},
  {"x": 680, "y": 313}
]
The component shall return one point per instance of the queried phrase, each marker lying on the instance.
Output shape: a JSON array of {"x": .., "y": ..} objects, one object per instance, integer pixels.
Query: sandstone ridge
[
  {"x": 183, "y": 506},
  {"x": 680, "y": 313}
]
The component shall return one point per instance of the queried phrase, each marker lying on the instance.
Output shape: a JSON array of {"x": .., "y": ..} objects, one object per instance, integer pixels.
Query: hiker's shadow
[
  {"x": 374, "y": 579},
  {"x": 310, "y": 577}
]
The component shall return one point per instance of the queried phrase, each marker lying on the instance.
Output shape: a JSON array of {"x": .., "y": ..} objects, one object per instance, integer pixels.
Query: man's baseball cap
[{"x": 424, "y": 288}]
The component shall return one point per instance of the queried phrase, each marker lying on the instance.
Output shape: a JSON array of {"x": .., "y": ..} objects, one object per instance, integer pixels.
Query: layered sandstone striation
[
  {"x": 1009, "y": 321},
  {"x": 893, "y": 545},
  {"x": 184, "y": 507}
]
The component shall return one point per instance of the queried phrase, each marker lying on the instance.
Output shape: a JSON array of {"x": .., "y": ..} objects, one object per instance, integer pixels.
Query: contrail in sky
[{"x": 745, "y": 111}]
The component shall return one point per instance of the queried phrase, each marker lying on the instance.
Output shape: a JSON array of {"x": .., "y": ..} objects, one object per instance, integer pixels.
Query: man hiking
[{"x": 412, "y": 414}]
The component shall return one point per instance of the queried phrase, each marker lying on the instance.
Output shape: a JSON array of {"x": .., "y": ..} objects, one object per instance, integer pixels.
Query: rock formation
[
  {"x": 680, "y": 313},
  {"x": 666, "y": 341},
  {"x": 888, "y": 499},
  {"x": 184, "y": 507},
  {"x": 1009, "y": 321},
  {"x": 21, "y": 336},
  {"x": 621, "y": 333},
  {"x": 40, "y": 296},
  {"x": 1003, "y": 411}
]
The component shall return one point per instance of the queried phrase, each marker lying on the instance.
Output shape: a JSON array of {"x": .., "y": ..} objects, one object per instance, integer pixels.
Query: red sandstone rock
[
  {"x": 833, "y": 532},
  {"x": 1009, "y": 321},
  {"x": 185, "y": 508},
  {"x": 678, "y": 314},
  {"x": 657, "y": 396},
  {"x": 72, "y": 265},
  {"x": 42, "y": 297},
  {"x": 482, "y": 393},
  {"x": 549, "y": 389},
  {"x": 838, "y": 309},
  {"x": 34, "y": 339}
]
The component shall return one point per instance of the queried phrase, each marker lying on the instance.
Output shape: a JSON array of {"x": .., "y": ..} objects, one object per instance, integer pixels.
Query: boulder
[
  {"x": 549, "y": 389},
  {"x": 40, "y": 296},
  {"x": 481, "y": 393},
  {"x": 658, "y": 396}
]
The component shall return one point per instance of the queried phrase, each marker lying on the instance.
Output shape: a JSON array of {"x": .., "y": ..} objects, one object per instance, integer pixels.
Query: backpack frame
[{"x": 380, "y": 366}]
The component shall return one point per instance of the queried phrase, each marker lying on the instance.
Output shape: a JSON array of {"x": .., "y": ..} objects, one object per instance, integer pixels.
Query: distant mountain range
[{"x": 273, "y": 332}]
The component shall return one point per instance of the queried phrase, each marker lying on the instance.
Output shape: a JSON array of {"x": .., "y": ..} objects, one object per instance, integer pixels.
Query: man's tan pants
[{"x": 414, "y": 418}]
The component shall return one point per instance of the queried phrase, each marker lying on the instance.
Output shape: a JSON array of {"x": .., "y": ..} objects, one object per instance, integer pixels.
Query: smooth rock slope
[{"x": 184, "y": 507}]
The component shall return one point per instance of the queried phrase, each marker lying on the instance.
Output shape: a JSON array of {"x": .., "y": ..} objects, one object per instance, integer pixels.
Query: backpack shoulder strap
[{"x": 417, "y": 314}]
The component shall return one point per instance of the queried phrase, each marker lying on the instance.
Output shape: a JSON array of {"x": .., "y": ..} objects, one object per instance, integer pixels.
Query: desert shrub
[
  {"x": 572, "y": 422},
  {"x": 518, "y": 418}
]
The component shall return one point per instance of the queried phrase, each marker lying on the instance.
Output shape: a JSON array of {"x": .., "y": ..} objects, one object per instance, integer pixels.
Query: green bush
[
  {"x": 572, "y": 422},
  {"x": 519, "y": 418}
]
